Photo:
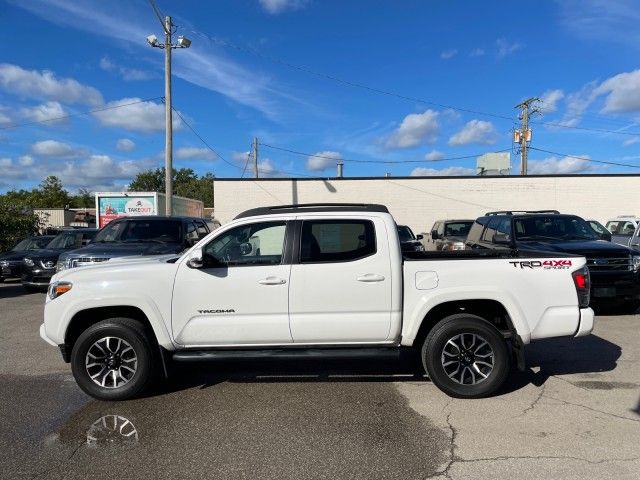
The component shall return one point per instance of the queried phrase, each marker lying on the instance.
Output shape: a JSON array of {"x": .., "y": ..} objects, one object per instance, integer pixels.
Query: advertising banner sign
[{"x": 110, "y": 208}]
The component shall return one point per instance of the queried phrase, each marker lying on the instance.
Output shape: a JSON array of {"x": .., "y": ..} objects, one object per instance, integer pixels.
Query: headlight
[
  {"x": 419, "y": 248},
  {"x": 28, "y": 262},
  {"x": 635, "y": 259},
  {"x": 4, "y": 263},
  {"x": 58, "y": 288},
  {"x": 62, "y": 265}
]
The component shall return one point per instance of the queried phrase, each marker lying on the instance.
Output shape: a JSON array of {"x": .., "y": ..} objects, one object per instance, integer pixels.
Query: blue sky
[{"x": 460, "y": 66}]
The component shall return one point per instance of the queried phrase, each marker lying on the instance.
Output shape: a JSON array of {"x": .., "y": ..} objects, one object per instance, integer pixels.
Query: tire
[
  {"x": 477, "y": 374},
  {"x": 132, "y": 351}
]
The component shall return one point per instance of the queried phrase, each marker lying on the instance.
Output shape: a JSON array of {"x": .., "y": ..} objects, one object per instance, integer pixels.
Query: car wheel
[
  {"x": 113, "y": 359},
  {"x": 466, "y": 357}
]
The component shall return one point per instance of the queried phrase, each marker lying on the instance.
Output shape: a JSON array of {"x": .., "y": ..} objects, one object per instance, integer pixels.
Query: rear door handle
[
  {"x": 370, "y": 277},
  {"x": 272, "y": 281}
]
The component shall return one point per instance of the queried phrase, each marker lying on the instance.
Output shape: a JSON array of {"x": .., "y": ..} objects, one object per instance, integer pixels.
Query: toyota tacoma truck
[{"x": 313, "y": 281}]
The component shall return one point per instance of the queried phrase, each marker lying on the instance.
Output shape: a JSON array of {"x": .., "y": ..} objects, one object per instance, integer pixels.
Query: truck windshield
[
  {"x": 131, "y": 230},
  {"x": 405, "y": 233},
  {"x": 553, "y": 227},
  {"x": 64, "y": 240},
  {"x": 457, "y": 229}
]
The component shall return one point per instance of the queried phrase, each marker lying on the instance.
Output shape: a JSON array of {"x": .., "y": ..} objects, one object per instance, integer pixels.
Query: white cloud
[
  {"x": 415, "y": 129},
  {"x": 5, "y": 119},
  {"x": 202, "y": 64},
  {"x": 475, "y": 131},
  {"x": 194, "y": 153},
  {"x": 26, "y": 160},
  {"x": 266, "y": 167},
  {"x": 447, "y": 54},
  {"x": 142, "y": 116},
  {"x": 278, "y": 6},
  {"x": 323, "y": 160},
  {"x": 45, "y": 112},
  {"x": 550, "y": 100},
  {"x": 434, "y": 156},
  {"x": 5, "y": 162},
  {"x": 631, "y": 141},
  {"x": 44, "y": 84},
  {"x": 126, "y": 73},
  {"x": 445, "y": 172},
  {"x": 240, "y": 157},
  {"x": 53, "y": 148},
  {"x": 623, "y": 92},
  {"x": 506, "y": 47},
  {"x": 125, "y": 145},
  {"x": 477, "y": 52},
  {"x": 577, "y": 103},
  {"x": 555, "y": 165}
]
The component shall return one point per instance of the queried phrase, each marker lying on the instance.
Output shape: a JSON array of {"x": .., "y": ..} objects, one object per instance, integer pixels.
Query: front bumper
[
  {"x": 10, "y": 271},
  {"x": 36, "y": 277},
  {"x": 43, "y": 335},
  {"x": 615, "y": 286},
  {"x": 585, "y": 325}
]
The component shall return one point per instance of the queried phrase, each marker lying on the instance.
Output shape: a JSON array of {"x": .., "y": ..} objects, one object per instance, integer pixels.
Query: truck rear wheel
[
  {"x": 113, "y": 359},
  {"x": 466, "y": 357}
]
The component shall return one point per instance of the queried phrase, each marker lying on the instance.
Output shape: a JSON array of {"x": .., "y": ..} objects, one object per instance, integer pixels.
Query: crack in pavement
[
  {"x": 534, "y": 403},
  {"x": 453, "y": 458},
  {"x": 546, "y": 457},
  {"x": 45, "y": 473},
  {"x": 593, "y": 409}
]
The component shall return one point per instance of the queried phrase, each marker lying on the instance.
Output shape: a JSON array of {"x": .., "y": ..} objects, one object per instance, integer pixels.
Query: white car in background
[{"x": 622, "y": 228}]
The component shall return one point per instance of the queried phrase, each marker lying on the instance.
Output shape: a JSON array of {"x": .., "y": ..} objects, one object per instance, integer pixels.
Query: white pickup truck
[{"x": 313, "y": 280}]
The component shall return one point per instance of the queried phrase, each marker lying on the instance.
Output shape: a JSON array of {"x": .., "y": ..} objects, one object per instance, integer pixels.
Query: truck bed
[{"x": 479, "y": 254}]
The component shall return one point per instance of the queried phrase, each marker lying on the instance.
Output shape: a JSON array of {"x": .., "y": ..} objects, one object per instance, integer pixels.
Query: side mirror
[
  {"x": 605, "y": 236},
  {"x": 245, "y": 248},
  {"x": 435, "y": 235},
  {"x": 501, "y": 239},
  {"x": 419, "y": 237},
  {"x": 195, "y": 259}
]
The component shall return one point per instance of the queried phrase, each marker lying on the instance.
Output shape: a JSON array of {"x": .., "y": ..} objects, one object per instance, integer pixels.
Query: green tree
[
  {"x": 84, "y": 199},
  {"x": 51, "y": 193},
  {"x": 186, "y": 183},
  {"x": 16, "y": 222}
]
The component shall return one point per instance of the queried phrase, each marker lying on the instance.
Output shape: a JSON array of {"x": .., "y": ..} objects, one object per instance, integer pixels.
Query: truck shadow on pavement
[
  {"x": 545, "y": 358},
  {"x": 564, "y": 356}
]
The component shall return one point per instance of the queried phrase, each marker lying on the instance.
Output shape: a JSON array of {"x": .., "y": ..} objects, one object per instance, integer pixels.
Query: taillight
[{"x": 582, "y": 281}]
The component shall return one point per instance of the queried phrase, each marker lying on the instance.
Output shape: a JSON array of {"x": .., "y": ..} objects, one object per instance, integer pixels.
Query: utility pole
[
  {"x": 183, "y": 42},
  {"x": 254, "y": 155},
  {"x": 168, "y": 119},
  {"x": 522, "y": 136}
]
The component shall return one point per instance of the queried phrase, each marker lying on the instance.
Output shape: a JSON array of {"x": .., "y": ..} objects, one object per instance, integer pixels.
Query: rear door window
[
  {"x": 490, "y": 231},
  {"x": 336, "y": 240}
]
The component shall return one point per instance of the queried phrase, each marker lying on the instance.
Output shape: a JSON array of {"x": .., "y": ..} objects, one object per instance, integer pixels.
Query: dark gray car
[{"x": 137, "y": 236}]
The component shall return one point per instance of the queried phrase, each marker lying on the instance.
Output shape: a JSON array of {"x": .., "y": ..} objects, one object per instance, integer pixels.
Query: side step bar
[{"x": 285, "y": 353}]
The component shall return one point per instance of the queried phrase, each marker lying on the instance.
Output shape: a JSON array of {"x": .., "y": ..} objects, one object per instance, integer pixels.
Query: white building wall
[{"x": 419, "y": 201}]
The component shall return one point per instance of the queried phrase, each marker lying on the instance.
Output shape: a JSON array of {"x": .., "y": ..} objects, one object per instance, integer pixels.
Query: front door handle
[
  {"x": 370, "y": 277},
  {"x": 272, "y": 281}
]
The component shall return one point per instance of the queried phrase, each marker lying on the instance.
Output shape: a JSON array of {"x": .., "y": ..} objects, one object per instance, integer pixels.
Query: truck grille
[
  {"x": 83, "y": 261},
  {"x": 617, "y": 264}
]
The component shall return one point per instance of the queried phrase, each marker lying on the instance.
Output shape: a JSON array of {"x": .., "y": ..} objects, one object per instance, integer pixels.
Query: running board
[{"x": 285, "y": 353}]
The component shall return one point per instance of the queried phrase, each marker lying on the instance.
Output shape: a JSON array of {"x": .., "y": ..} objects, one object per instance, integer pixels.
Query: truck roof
[{"x": 313, "y": 207}]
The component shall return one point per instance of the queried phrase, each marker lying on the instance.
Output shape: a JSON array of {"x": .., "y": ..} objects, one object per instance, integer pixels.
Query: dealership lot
[{"x": 574, "y": 414}]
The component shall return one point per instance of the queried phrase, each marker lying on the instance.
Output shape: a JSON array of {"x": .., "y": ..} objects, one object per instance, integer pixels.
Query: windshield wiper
[
  {"x": 107, "y": 241},
  {"x": 146, "y": 240},
  {"x": 537, "y": 237}
]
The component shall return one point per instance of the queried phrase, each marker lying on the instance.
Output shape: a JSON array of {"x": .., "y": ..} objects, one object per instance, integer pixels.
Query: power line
[
  {"x": 326, "y": 76},
  {"x": 588, "y": 129},
  {"x": 587, "y": 159},
  {"x": 391, "y": 162},
  {"x": 61, "y": 117},
  {"x": 204, "y": 142}
]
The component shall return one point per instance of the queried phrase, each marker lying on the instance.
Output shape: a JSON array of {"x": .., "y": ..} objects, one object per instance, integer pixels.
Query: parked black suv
[
  {"x": 38, "y": 266},
  {"x": 409, "y": 242},
  {"x": 11, "y": 261},
  {"x": 614, "y": 268},
  {"x": 136, "y": 236}
]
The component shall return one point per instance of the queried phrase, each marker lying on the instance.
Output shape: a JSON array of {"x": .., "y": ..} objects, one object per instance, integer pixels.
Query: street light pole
[
  {"x": 183, "y": 42},
  {"x": 168, "y": 118}
]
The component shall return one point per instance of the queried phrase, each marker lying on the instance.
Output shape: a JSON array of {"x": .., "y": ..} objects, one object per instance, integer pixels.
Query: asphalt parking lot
[{"x": 575, "y": 413}]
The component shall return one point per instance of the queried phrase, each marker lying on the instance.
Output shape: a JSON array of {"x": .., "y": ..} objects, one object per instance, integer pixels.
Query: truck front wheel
[
  {"x": 466, "y": 357},
  {"x": 113, "y": 359}
]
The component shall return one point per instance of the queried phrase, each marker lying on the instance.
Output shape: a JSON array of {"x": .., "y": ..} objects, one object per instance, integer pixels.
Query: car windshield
[
  {"x": 553, "y": 227},
  {"x": 34, "y": 243},
  {"x": 141, "y": 231},
  {"x": 457, "y": 229},
  {"x": 405, "y": 233}
]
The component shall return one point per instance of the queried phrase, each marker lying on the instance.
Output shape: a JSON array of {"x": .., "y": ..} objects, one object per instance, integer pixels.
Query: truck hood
[
  {"x": 587, "y": 248},
  {"x": 13, "y": 256},
  {"x": 46, "y": 253},
  {"x": 116, "y": 250}
]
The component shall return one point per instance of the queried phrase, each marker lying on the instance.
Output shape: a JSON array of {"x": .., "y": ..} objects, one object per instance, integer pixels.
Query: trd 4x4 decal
[{"x": 544, "y": 264}]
